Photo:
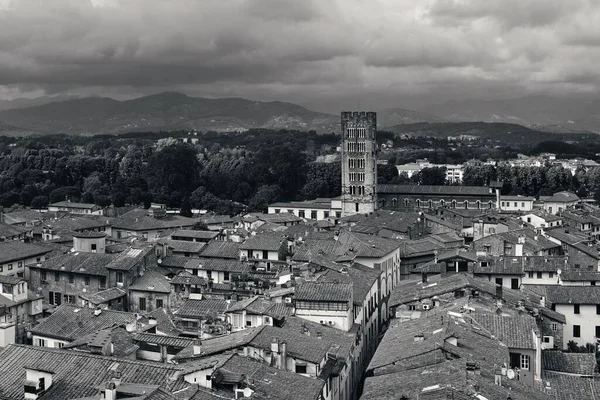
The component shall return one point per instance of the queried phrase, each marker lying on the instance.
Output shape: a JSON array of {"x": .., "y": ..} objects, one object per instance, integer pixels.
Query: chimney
[
  {"x": 499, "y": 292},
  {"x": 97, "y": 311},
  {"x": 110, "y": 391},
  {"x": 275, "y": 345},
  {"x": 283, "y": 363},
  {"x": 197, "y": 346},
  {"x": 435, "y": 256},
  {"x": 424, "y": 277},
  {"x": 319, "y": 335}
]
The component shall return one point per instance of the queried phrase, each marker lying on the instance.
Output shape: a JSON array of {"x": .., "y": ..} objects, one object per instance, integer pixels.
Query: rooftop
[
  {"x": 77, "y": 374},
  {"x": 315, "y": 291},
  {"x": 14, "y": 250},
  {"x": 439, "y": 190},
  {"x": 70, "y": 322}
]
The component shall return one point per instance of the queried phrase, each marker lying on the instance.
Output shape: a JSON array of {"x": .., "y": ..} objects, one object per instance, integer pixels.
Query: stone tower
[{"x": 359, "y": 162}]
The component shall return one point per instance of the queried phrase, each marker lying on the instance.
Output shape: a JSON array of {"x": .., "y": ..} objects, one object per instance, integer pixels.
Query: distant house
[
  {"x": 150, "y": 226},
  {"x": 16, "y": 256},
  {"x": 20, "y": 308},
  {"x": 76, "y": 208},
  {"x": 329, "y": 304},
  {"x": 149, "y": 292},
  {"x": 195, "y": 236},
  {"x": 542, "y": 219},
  {"x": 559, "y": 201},
  {"x": 516, "y": 203},
  {"x": 318, "y": 209}
]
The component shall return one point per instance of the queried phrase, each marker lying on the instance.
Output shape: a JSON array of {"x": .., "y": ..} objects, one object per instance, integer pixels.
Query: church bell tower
[{"x": 359, "y": 162}]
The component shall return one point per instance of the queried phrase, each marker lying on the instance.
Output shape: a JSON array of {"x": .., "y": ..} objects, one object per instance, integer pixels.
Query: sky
[{"x": 324, "y": 54}]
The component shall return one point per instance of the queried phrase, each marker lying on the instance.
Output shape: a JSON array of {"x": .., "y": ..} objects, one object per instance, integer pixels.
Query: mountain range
[{"x": 173, "y": 111}]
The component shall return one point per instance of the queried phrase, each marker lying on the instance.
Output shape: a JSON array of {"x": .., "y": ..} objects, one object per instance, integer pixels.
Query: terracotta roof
[
  {"x": 221, "y": 249},
  {"x": 217, "y": 264},
  {"x": 181, "y": 246},
  {"x": 314, "y": 291},
  {"x": 516, "y": 332},
  {"x": 73, "y": 205},
  {"x": 361, "y": 277},
  {"x": 151, "y": 281},
  {"x": 269, "y": 382},
  {"x": 457, "y": 253},
  {"x": 11, "y": 280},
  {"x": 558, "y": 294},
  {"x": 220, "y": 344},
  {"x": 266, "y": 241},
  {"x": 69, "y": 322},
  {"x": 119, "y": 336},
  {"x": 103, "y": 296},
  {"x": 13, "y": 251},
  {"x": 436, "y": 190},
  {"x": 138, "y": 220},
  {"x": 128, "y": 259},
  {"x": 9, "y": 231},
  {"x": 188, "y": 233},
  {"x": 280, "y": 218},
  {"x": 185, "y": 278},
  {"x": 80, "y": 263},
  {"x": 561, "y": 197},
  {"x": 173, "y": 261},
  {"x": 88, "y": 235},
  {"x": 571, "y": 363},
  {"x": 579, "y": 275},
  {"x": 302, "y": 346},
  {"x": 77, "y": 374},
  {"x": 260, "y": 306},
  {"x": 163, "y": 340},
  {"x": 203, "y": 308}
]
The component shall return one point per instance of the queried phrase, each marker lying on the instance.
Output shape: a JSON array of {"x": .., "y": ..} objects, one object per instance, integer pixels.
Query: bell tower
[{"x": 359, "y": 162}]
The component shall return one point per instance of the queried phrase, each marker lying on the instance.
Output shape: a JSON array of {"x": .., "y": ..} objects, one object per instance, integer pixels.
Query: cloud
[{"x": 310, "y": 51}]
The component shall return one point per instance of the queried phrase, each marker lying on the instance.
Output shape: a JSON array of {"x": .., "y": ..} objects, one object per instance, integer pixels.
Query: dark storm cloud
[{"x": 304, "y": 51}]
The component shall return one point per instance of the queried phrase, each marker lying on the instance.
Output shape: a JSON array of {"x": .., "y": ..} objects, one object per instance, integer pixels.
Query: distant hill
[
  {"x": 566, "y": 115},
  {"x": 38, "y": 101},
  {"x": 508, "y": 134},
  {"x": 9, "y": 130},
  {"x": 167, "y": 111},
  {"x": 396, "y": 116}
]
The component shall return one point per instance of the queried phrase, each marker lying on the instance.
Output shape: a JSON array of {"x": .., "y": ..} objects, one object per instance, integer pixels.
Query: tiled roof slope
[
  {"x": 515, "y": 332},
  {"x": 435, "y": 189},
  {"x": 326, "y": 291},
  {"x": 152, "y": 281},
  {"x": 571, "y": 363},
  {"x": 221, "y": 249},
  {"x": 558, "y": 294},
  {"x": 271, "y": 383},
  {"x": 78, "y": 374},
  {"x": 69, "y": 322},
  {"x": 203, "y": 308},
  {"x": 83, "y": 263},
  {"x": 12, "y": 250}
]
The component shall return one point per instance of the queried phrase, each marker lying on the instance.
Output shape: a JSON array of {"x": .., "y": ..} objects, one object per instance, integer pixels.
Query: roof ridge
[{"x": 89, "y": 355}]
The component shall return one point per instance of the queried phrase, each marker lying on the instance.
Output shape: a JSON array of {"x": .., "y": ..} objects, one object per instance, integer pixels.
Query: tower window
[
  {"x": 356, "y": 206},
  {"x": 394, "y": 202}
]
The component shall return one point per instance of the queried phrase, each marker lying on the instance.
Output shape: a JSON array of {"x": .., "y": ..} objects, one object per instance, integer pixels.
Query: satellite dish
[
  {"x": 558, "y": 271},
  {"x": 510, "y": 374}
]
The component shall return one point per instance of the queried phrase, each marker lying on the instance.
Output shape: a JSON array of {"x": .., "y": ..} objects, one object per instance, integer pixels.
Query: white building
[{"x": 516, "y": 203}]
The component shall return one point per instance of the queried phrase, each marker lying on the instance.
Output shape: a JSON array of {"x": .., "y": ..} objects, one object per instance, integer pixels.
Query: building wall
[
  {"x": 48, "y": 342},
  {"x": 63, "y": 286},
  {"x": 587, "y": 319},
  {"x": 547, "y": 278},
  {"x": 85, "y": 244},
  {"x": 307, "y": 212},
  {"x": 411, "y": 201},
  {"x": 549, "y": 327},
  {"x": 357, "y": 146},
  {"x": 239, "y": 320},
  {"x": 258, "y": 254},
  {"x": 342, "y": 319},
  {"x": 12, "y": 268},
  {"x": 506, "y": 279},
  {"x": 539, "y": 222},
  {"x": 516, "y": 205},
  {"x": 151, "y": 297},
  {"x": 579, "y": 259},
  {"x": 556, "y": 208}
]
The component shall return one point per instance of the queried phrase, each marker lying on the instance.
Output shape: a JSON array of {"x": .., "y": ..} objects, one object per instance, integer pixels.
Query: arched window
[
  {"x": 430, "y": 204},
  {"x": 394, "y": 202},
  {"x": 453, "y": 203},
  {"x": 382, "y": 203},
  {"x": 466, "y": 204},
  {"x": 406, "y": 202},
  {"x": 478, "y": 203},
  {"x": 418, "y": 203},
  {"x": 491, "y": 204},
  {"x": 442, "y": 203}
]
